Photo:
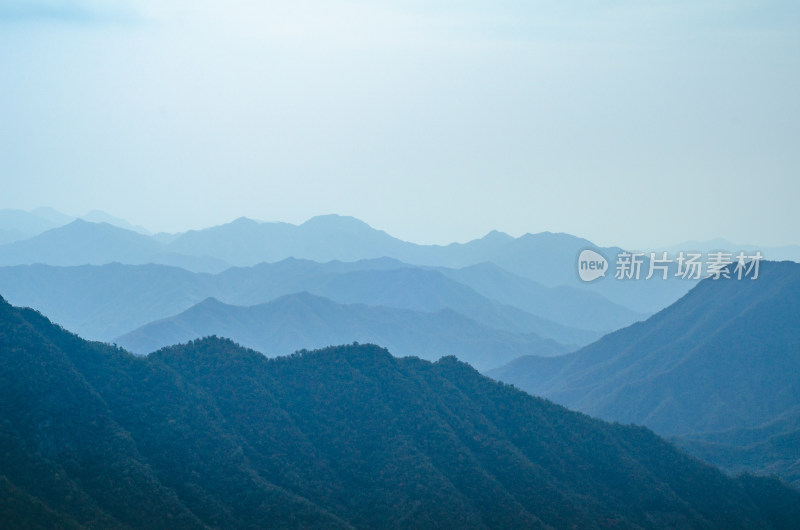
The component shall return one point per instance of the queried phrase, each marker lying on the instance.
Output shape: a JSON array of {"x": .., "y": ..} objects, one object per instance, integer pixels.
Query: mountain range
[
  {"x": 85, "y": 243},
  {"x": 718, "y": 381},
  {"x": 103, "y": 302},
  {"x": 16, "y": 225},
  {"x": 546, "y": 258},
  {"x": 719, "y": 370},
  {"x": 305, "y": 321},
  {"x": 211, "y": 435}
]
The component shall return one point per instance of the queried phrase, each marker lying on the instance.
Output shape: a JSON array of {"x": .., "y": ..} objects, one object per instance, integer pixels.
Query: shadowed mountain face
[
  {"x": 211, "y": 435},
  {"x": 721, "y": 365},
  {"x": 302, "y": 321},
  {"x": 105, "y": 302}
]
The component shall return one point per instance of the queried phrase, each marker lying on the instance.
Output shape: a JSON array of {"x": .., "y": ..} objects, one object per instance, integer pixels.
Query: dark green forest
[{"x": 212, "y": 435}]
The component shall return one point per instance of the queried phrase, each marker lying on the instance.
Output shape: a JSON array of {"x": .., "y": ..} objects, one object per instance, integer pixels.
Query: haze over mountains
[
  {"x": 105, "y": 302},
  {"x": 82, "y": 242},
  {"x": 716, "y": 371},
  {"x": 546, "y": 258},
  {"x": 209, "y": 434},
  {"x": 16, "y": 225},
  {"x": 719, "y": 369},
  {"x": 304, "y": 321}
]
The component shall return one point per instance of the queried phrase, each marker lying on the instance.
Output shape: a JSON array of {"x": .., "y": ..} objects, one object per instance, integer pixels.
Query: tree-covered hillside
[{"x": 209, "y": 434}]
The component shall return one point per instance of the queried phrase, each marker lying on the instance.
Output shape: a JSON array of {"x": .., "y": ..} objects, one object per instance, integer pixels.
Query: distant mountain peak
[
  {"x": 305, "y": 298},
  {"x": 332, "y": 216},
  {"x": 82, "y": 226},
  {"x": 335, "y": 220},
  {"x": 211, "y": 302},
  {"x": 99, "y": 216},
  {"x": 497, "y": 235},
  {"x": 551, "y": 236},
  {"x": 99, "y": 227},
  {"x": 244, "y": 221}
]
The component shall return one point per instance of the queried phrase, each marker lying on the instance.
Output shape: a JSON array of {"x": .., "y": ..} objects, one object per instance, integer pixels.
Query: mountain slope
[
  {"x": 343, "y": 437},
  {"x": 52, "y": 421},
  {"x": 65, "y": 446},
  {"x": 725, "y": 357},
  {"x": 305, "y": 321}
]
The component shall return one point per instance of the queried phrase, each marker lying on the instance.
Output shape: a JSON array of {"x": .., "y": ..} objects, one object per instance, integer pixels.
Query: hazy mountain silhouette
[
  {"x": 102, "y": 302},
  {"x": 723, "y": 359},
  {"x": 99, "y": 216},
  {"x": 305, "y": 321},
  {"x": 246, "y": 242},
  {"x": 83, "y": 243},
  {"x": 546, "y": 258},
  {"x": 549, "y": 259},
  {"x": 566, "y": 305},
  {"x": 211, "y": 435},
  {"x": 423, "y": 290},
  {"x": 16, "y": 225},
  {"x": 105, "y": 302}
]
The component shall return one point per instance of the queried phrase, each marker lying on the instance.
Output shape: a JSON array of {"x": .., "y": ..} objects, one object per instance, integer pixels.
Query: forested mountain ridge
[{"x": 209, "y": 434}]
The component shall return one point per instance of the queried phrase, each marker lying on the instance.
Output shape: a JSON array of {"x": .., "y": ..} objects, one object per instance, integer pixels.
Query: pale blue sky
[{"x": 630, "y": 123}]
